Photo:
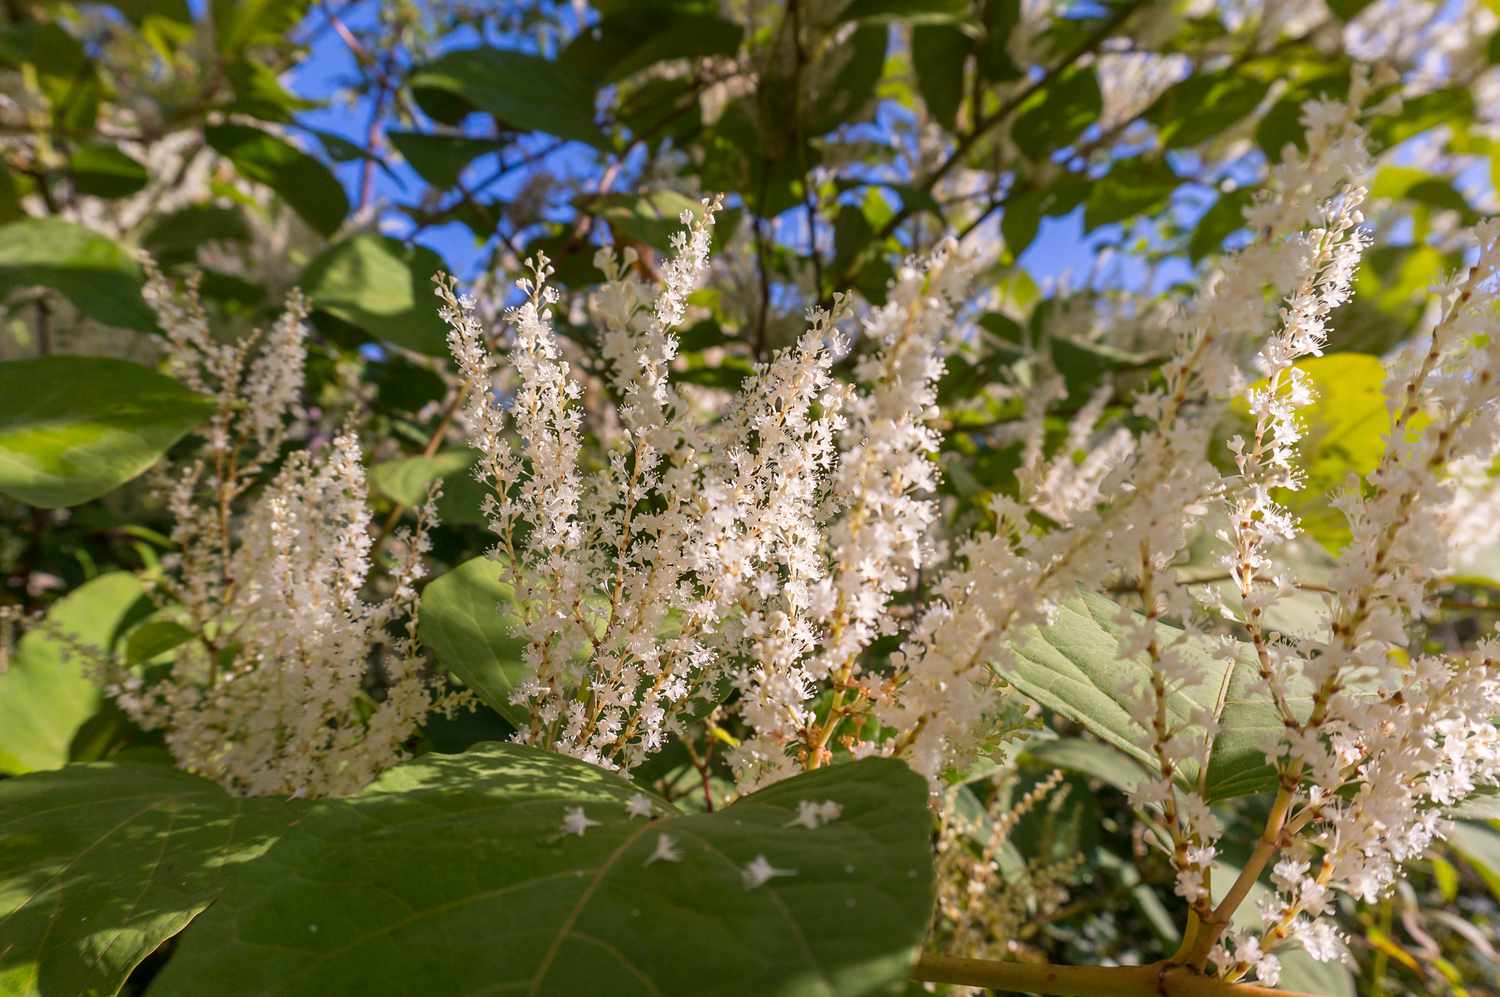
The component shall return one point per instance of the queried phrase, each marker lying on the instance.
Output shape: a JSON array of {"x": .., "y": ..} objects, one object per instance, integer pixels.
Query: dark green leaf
[
  {"x": 469, "y": 620},
  {"x": 93, "y": 272},
  {"x": 48, "y": 692},
  {"x": 74, "y": 428},
  {"x": 440, "y": 159},
  {"x": 911, "y": 11},
  {"x": 858, "y": 64},
  {"x": 938, "y": 53},
  {"x": 101, "y": 863},
  {"x": 1225, "y": 216},
  {"x": 1204, "y": 105},
  {"x": 175, "y": 236},
  {"x": 305, "y": 184},
  {"x": 1131, "y": 187},
  {"x": 1020, "y": 220},
  {"x": 239, "y": 24},
  {"x": 382, "y": 286},
  {"x": 521, "y": 91},
  {"x": 101, "y": 170},
  {"x": 652, "y": 217},
  {"x": 503, "y": 900},
  {"x": 1057, "y": 114}
]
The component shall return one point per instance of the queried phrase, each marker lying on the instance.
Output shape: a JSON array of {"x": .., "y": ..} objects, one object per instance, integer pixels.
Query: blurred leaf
[
  {"x": 239, "y": 24},
  {"x": 1223, "y": 218},
  {"x": 93, "y": 272},
  {"x": 1057, "y": 114},
  {"x": 49, "y": 692},
  {"x": 440, "y": 159},
  {"x": 1204, "y": 105},
  {"x": 523, "y": 92},
  {"x": 857, "y": 64},
  {"x": 1132, "y": 187},
  {"x": 175, "y": 236},
  {"x": 1417, "y": 185},
  {"x": 75, "y": 428},
  {"x": 651, "y": 217},
  {"x": 259, "y": 93},
  {"x": 1479, "y": 846},
  {"x": 1091, "y": 758},
  {"x": 382, "y": 286},
  {"x": 101, "y": 170},
  {"x": 305, "y": 184},
  {"x": 938, "y": 53},
  {"x": 406, "y": 481},
  {"x": 909, "y": 11},
  {"x": 153, "y": 639}
]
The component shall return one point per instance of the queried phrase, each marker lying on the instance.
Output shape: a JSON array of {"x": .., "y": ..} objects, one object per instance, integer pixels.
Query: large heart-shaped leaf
[
  {"x": 47, "y": 694},
  {"x": 382, "y": 287},
  {"x": 92, "y": 271},
  {"x": 522, "y": 91},
  {"x": 73, "y": 428},
  {"x": 469, "y": 620},
  {"x": 454, "y": 874},
  {"x": 1074, "y": 666},
  {"x": 101, "y": 863}
]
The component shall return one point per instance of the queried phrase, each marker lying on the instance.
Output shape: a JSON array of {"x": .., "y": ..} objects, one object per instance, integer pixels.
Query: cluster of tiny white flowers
[
  {"x": 268, "y": 695},
  {"x": 759, "y": 551}
]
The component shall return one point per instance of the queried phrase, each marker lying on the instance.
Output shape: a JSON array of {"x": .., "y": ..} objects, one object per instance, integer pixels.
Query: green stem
[{"x": 1158, "y": 979}]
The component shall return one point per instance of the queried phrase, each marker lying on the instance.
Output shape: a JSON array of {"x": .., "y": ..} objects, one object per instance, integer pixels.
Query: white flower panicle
[
  {"x": 757, "y": 552},
  {"x": 270, "y": 694}
]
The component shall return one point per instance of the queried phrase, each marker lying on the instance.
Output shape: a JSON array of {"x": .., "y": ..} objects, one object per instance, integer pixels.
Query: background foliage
[{"x": 1100, "y": 152}]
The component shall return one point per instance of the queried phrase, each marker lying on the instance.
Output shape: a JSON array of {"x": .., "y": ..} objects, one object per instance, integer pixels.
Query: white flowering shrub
[{"x": 757, "y": 570}]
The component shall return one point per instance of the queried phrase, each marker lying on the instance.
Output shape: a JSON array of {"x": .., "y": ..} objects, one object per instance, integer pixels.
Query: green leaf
[
  {"x": 1089, "y": 758},
  {"x": 406, "y": 481},
  {"x": 47, "y": 694},
  {"x": 909, "y": 11},
  {"x": 305, "y": 184},
  {"x": 1021, "y": 219},
  {"x": 521, "y": 91},
  {"x": 239, "y": 24},
  {"x": 858, "y": 63},
  {"x": 1224, "y": 217},
  {"x": 938, "y": 52},
  {"x": 1345, "y": 434},
  {"x": 1418, "y": 185},
  {"x": 74, "y": 428},
  {"x": 101, "y": 863},
  {"x": 101, "y": 170},
  {"x": 382, "y": 286},
  {"x": 1056, "y": 115},
  {"x": 652, "y": 217},
  {"x": 684, "y": 36},
  {"x": 93, "y": 272},
  {"x": 1479, "y": 846},
  {"x": 1131, "y": 187},
  {"x": 451, "y": 875},
  {"x": 174, "y": 237},
  {"x": 440, "y": 159},
  {"x": 1073, "y": 666},
  {"x": 1204, "y": 105},
  {"x": 469, "y": 618}
]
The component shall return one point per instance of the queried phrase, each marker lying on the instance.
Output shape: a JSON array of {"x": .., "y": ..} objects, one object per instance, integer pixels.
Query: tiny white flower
[
  {"x": 813, "y": 815},
  {"x": 759, "y": 872},
  {"x": 575, "y": 821},
  {"x": 640, "y": 805},
  {"x": 666, "y": 850}
]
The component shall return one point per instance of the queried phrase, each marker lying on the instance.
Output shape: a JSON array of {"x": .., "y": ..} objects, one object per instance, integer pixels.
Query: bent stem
[{"x": 1157, "y": 979}]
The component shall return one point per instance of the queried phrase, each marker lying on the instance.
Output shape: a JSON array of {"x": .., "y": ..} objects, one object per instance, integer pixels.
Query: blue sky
[{"x": 1060, "y": 246}]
